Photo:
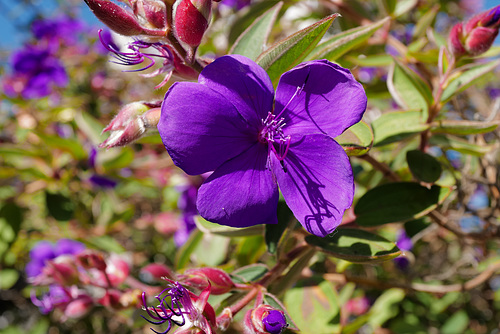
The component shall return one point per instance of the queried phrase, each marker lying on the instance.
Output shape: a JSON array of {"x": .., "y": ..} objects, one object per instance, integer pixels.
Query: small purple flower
[
  {"x": 479, "y": 199},
  {"x": 178, "y": 306},
  {"x": 236, "y": 4},
  {"x": 405, "y": 244},
  {"x": 275, "y": 322},
  {"x": 45, "y": 251},
  {"x": 227, "y": 123},
  {"x": 35, "y": 73},
  {"x": 62, "y": 28},
  {"x": 102, "y": 181}
]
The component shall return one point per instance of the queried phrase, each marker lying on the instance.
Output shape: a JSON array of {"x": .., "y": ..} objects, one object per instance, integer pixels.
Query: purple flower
[
  {"x": 236, "y": 4},
  {"x": 275, "y": 322},
  {"x": 227, "y": 123},
  {"x": 102, "y": 181},
  {"x": 44, "y": 251},
  {"x": 35, "y": 72},
  {"x": 177, "y": 305},
  {"x": 405, "y": 244},
  {"x": 61, "y": 28}
]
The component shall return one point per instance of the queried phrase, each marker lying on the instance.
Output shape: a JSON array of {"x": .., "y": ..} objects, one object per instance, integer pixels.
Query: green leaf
[
  {"x": 466, "y": 78},
  {"x": 183, "y": 255},
  {"x": 8, "y": 277},
  {"x": 106, "y": 243},
  {"x": 371, "y": 61},
  {"x": 395, "y": 126},
  {"x": 423, "y": 166},
  {"x": 357, "y": 140},
  {"x": 425, "y": 22},
  {"x": 457, "y": 323},
  {"x": 116, "y": 158},
  {"x": 314, "y": 307},
  {"x": 285, "y": 54},
  {"x": 398, "y": 202},
  {"x": 212, "y": 250},
  {"x": 59, "y": 206},
  {"x": 72, "y": 146},
  {"x": 458, "y": 144},
  {"x": 273, "y": 232},
  {"x": 385, "y": 307},
  {"x": 249, "y": 273},
  {"x": 245, "y": 20},
  {"x": 404, "y": 6},
  {"x": 227, "y": 231},
  {"x": 355, "y": 245},
  {"x": 463, "y": 128},
  {"x": 336, "y": 46},
  {"x": 408, "y": 89},
  {"x": 253, "y": 40},
  {"x": 90, "y": 126},
  {"x": 11, "y": 217}
]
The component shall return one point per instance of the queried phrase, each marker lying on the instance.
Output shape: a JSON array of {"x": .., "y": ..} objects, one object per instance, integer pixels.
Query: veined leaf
[
  {"x": 338, "y": 45},
  {"x": 285, "y": 54},
  {"x": 355, "y": 245},
  {"x": 371, "y": 61},
  {"x": 252, "y": 41},
  {"x": 357, "y": 140},
  {"x": 396, "y": 126},
  {"x": 423, "y": 166},
  {"x": 408, "y": 89},
  {"x": 227, "y": 231},
  {"x": 463, "y": 127},
  {"x": 467, "y": 78},
  {"x": 398, "y": 202}
]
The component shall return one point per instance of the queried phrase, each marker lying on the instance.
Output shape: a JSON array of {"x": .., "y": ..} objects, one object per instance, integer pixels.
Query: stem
[{"x": 380, "y": 166}]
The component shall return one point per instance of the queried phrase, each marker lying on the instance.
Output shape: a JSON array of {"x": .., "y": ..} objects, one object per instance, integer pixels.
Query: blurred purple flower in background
[
  {"x": 62, "y": 28},
  {"x": 35, "y": 72},
  {"x": 404, "y": 243},
  {"x": 44, "y": 251},
  {"x": 236, "y": 4}
]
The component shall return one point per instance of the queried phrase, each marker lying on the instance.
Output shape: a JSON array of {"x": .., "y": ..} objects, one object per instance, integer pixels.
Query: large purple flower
[{"x": 231, "y": 122}]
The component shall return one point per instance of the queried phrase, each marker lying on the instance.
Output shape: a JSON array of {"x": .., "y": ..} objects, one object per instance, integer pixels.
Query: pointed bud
[
  {"x": 153, "y": 11},
  {"x": 115, "y": 17},
  {"x": 191, "y": 20},
  {"x": 201, "y": 278},
  {"x": 131, "y": 123},
  {"x": 90, "y": 259},
  {"x": 477, "y": 35},
  {"x": 154, "y": 272},
  {"x": 78, "y": 307},
  {"x": 265, "y": 320}
]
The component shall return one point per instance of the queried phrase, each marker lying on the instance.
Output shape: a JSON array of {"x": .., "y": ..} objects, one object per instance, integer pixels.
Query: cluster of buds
[
  {"x": 78, "y": 279},
  {"x": 475, "y": 36}
]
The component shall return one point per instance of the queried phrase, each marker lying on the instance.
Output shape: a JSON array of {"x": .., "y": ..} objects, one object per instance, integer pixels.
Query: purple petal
[
  {"x": 244, "y": 84},
  {"x": 43, "y": 251},
  {"x": 327, "y": 99},
  {"x": 201, "y": 129},
  {"x": 317, "y": 183},
  {"x": 68, "y": 246},
  {"x": 241, "y": 192}
]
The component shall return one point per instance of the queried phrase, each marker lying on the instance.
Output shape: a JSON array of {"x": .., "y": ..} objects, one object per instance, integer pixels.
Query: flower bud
[
  {"x": 154, "y": 272},
  {"x": 111, "y": 299},
  {"x": 191, "y": 20},
  {"x": 78, "y": 307},
  {"x": 153, "y": 11},
  {"x": 90, "y": 259},
  {"x": 475, "y": 36},
  {"x": 265, "y": 319},
  {"x": 118, "y": 269},
  {"x": 131, "y": 123},
  {"x": 115, "y": 17},
  {"x": 200, "y": 278}
]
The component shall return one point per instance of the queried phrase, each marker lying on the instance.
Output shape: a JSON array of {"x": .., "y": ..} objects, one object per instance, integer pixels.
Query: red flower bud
[
  {"x": 477, "y": 35},
  {"x": 62, "y": 270},
  {"x": 78, "y": 307},
  {"x": 200, "y": 278},
  {"x": 90, "y": 259},
  {"x": 191, "y": 20},
  {"x": 115, "y": 17},
  {"x": 155, "y": 272},
  {"x": 153, "y": 11}
]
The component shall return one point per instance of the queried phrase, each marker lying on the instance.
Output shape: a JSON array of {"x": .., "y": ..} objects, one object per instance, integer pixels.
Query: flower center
[{"x": 272, "y": 134}]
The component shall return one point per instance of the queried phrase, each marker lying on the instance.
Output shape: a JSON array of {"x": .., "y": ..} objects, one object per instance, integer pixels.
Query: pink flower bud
[
  {"x": 117, "y": 270},
  {"x": 477, "y": 35},
  {"x": 90, "y": 259},
  {"x": 264, "y": 320},
  {"x": 201, "y": 278},
  {"x": 191, "y": 20},
  {"x": 131, "y": 123},
  {"x": 111, "y": 299},
  {"x": 78, "y": 307},
  {"x": 154, "y": 272},
  {"x": 115, "y": 17},
  {"x": 153, "y": 11}
]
